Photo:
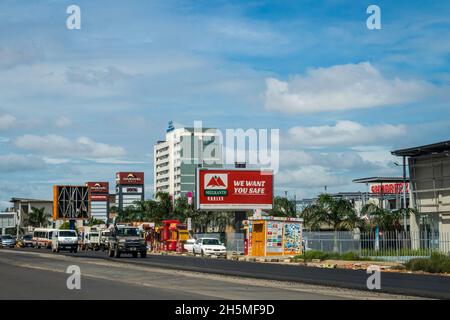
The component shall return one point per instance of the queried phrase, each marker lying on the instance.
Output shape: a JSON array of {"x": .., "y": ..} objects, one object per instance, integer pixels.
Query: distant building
[
  {"x": 429, "y": 173},
  {"x": 387, "y": 191},
  {"x": 130, "y": 187},
  {"x": 177, "y": 157},
  {"x": 24, "y": 206}
]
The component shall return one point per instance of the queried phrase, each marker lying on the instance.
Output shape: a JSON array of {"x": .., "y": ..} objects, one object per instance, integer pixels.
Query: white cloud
[
  {"x": 290, "y": 159},
  {"x": 6, "y": 121},
  {"x": 310, "y": 177},
  {"x": 63, "y": 122},
  {"x": 55, "y": 145},
  {"x": 15, "y": 162},
  {"x": 108, "y": 75},
  {"x": 345, "y": 133},
  {"x": 341, "y": 87}
]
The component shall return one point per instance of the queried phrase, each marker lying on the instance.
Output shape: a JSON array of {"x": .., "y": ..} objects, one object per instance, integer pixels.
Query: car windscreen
[
  {"x": 6, "y": 237},
  {"x": 128, "y": 232},
  {"x": 211, "y": 241},
  {"x": 28, "y": 237},
  {"x": 67, "y": 234}
]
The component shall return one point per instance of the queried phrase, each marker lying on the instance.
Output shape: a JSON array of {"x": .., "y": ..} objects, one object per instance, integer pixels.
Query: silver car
[{"x": 7, "y": 241}]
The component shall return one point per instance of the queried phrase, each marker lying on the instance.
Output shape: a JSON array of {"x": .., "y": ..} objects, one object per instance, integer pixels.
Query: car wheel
[
  {"x": 75, "y": 250},
  {"x": 143, "y": 254}
]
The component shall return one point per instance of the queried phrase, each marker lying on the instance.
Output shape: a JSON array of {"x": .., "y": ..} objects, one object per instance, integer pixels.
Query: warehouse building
[{"x": 429, "y": 174}]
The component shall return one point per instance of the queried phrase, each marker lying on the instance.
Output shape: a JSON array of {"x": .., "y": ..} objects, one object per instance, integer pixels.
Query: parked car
[
  {"x": 64, "y": 240},
  {"x": 26, "y": 241},
  {"x": 210, "y": 247},
  {"x": 189, "y": 245},
  {"x": 7, "y": 241}
]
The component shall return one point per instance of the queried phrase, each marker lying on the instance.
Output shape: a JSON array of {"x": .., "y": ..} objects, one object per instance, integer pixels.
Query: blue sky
[{"x": 79, "y": 105}]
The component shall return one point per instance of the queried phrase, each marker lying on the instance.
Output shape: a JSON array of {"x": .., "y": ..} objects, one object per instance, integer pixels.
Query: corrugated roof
[
  {"x": 379, "y": 180},
  {"x": 438, "y": 147}
]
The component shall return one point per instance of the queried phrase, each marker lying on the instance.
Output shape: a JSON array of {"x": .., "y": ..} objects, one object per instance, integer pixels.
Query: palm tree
[
  {"x": 385, "y": 219},
  {"x": 309, "y": 217},
  {"x": 282, "y": 206},
  {"x": 38, "y": 217},
  {"x": 165, "y": 203},
  {"x": 339, "y": 214}
]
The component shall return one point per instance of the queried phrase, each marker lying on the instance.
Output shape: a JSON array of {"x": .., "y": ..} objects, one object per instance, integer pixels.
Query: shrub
[
  {"x": 437, "y": 263},
  {"x": 320, "y": 255}
]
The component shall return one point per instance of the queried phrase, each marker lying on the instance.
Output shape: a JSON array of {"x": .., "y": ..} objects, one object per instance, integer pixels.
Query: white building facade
[{"x": 178, "y": 156}]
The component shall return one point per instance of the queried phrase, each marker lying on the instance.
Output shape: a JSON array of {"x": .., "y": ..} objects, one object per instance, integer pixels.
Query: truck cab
[{"x": 126, "y": 239}]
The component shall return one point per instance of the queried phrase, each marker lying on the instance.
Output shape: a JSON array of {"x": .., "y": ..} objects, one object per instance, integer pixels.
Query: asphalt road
[
  {"x": 422, "y": 285},
  {"x": 42, "y": 275}
]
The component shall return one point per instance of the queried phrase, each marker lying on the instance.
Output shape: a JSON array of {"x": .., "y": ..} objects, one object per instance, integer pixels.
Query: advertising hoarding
[
  {"x": 98, "y": 187},
  {"x": 234, "y": 189},
  {"x": 70, "y": 202},
  {"x": 130, "y": 178}
]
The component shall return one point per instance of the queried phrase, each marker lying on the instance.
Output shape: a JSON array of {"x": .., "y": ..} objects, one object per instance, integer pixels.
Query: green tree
[
  {"x": 386, "y": 220},
  {"x": 65, "y": 225},
  {"x": 38, "y": 217},
  {"x": 339, "y": 214},
  {"x": 282, "y": 206}
]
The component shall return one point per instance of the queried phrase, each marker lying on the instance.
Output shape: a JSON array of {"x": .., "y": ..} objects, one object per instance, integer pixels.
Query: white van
[
  {"x": 65, "y": 240},
  {"x": 42, "y": 237}
]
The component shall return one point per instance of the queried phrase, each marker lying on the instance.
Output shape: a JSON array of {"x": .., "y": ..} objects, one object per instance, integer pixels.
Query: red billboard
[
  {"x": 234, "y": 189},
  {"x": 98, "y": 187},
  {"x": 130, "y": 178}
]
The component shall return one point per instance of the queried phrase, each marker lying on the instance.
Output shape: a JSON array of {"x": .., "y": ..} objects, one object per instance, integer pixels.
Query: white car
[
  {"x": 189, "y": 245},
  {"x": 209, "y": 247}
]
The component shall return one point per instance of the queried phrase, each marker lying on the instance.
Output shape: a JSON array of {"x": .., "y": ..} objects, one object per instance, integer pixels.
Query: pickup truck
[{"x": 126, "y": 239}]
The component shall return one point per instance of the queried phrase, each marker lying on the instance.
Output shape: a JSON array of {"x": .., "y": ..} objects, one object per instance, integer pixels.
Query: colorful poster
[
  {"x": 274, "y": 237},
  {"x": 292, "y": 238}
]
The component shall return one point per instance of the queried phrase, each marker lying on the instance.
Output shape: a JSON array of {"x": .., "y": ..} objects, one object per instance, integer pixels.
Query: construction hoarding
[
  {"x": 70, "y": 202},
  {"x": 234, "y": 189}
]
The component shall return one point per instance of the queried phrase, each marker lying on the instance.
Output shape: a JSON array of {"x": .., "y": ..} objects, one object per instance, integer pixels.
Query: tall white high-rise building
[{"x": 177, "y": 157}]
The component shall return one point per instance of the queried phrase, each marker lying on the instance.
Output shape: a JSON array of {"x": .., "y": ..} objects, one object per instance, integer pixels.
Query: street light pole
[{"x": 404, "y": 192}]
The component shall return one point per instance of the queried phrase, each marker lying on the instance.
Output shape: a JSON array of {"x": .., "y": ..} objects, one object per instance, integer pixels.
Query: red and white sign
[
  {"x": 98, "y": 187},
  {"x": 130, "y": 178},
  {"x": 237, "y": 189},
  {"x": 99, "y": 197},
  {"x": 389, "y": 188}
]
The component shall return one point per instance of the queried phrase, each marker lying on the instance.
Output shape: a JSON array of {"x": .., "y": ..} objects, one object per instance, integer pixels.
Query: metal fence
[{"x": 388, "y": 246}]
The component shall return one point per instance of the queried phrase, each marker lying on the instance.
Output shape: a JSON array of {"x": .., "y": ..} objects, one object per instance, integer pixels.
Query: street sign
[{"x": 234, "y": 189}]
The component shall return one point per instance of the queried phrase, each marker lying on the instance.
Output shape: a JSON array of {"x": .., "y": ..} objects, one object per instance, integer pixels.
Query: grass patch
[
  {"x": 320, "y": 255},
  {"x": 437, "y": 263},
  {"x": 393, "y": 252}
]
